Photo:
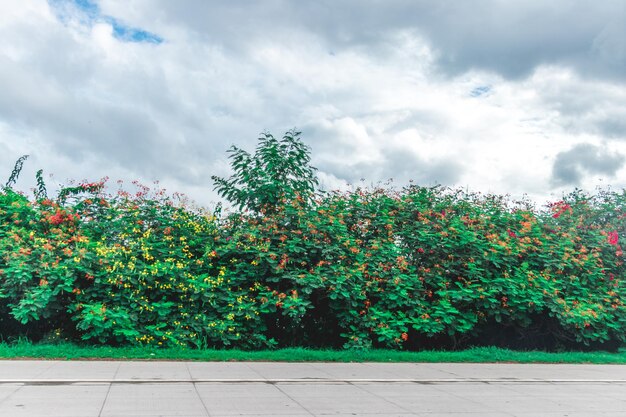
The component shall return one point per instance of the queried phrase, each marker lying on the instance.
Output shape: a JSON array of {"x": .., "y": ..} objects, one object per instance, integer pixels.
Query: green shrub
[{"x": 370, "y": 268}]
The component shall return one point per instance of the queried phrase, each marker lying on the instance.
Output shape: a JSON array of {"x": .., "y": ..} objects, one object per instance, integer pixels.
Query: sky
[{"x": 522, "y": 97}]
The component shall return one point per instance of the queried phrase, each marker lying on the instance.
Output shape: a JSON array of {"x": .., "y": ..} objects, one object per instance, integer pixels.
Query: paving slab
[
  {"x": 269, "y": 370},
  {"x": 58, "y": 401},
  {"x": 76, "y": 370},
  {"x": 8, "y": 389},
  {"x": 15, "y": 369},
  {"x": 129, "y": 400},
  {"x": 248, "y": 399},
  {"x": 222, "y": 370},
  {"x": 407, "y": 370},
  {"x": 531, "y": 371},
  {"x": 157, "y": 370},
  {"x": 340, "y": 398},
  {"x": 353, "y": 370}
]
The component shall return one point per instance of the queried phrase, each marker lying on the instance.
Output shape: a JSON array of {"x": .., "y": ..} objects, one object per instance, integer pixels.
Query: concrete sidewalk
[{"x": 97, "y": 388}]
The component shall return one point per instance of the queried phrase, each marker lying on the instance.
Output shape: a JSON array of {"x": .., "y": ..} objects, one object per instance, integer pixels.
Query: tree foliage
[{"x": 278, "y": 171}]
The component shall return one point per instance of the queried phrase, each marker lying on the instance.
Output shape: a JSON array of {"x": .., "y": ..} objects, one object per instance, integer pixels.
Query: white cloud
[{"x": 376, "y": 98}]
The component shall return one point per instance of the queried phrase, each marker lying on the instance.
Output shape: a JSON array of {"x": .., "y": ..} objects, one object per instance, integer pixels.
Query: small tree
[{"x": 278, "y": 171}]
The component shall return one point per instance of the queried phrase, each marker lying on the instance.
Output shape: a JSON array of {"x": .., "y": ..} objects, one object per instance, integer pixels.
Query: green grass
[{"x": 23, "y": 350}]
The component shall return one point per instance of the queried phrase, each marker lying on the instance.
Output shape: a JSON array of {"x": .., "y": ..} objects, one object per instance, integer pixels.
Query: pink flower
[{"x": 613, "y": 237}]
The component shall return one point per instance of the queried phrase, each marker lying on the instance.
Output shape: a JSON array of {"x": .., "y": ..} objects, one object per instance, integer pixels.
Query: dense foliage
[{"x": 414, "y": 268}]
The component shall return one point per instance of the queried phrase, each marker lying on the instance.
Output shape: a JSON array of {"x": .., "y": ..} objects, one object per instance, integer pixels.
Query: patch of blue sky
[
  {"x": 130, "y": 34},
  {"x": 87, "y": 12},
  {"x": 480, "y": 90},
  {"x": 88, "y": 7}
]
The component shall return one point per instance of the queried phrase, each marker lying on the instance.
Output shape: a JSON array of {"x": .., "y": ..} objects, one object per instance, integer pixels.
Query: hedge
[{"x": 411, "y": 268}]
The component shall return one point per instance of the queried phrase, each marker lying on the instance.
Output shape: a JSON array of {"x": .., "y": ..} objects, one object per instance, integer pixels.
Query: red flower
[
  {"x": 56, "y": 219},
  {"x": 511, "y": 233},
  {"x": 560, "y": 207},
  {"x": 612, "y": 237}
]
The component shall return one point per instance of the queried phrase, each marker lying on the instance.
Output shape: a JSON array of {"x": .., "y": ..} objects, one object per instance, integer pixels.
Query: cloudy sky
[{"x": 525, "y": 97}]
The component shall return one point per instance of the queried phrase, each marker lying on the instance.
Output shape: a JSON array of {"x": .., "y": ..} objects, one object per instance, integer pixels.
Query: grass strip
[{"x": 67, "y": 351}]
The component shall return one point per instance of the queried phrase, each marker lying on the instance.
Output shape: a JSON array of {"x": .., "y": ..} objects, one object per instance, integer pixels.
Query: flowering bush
[
  {"x": 152, "y": 277},
  {"x": 41, "y": 248},
  {"x": 402, "y": 269},
  {"x": 392, "y": 269}
]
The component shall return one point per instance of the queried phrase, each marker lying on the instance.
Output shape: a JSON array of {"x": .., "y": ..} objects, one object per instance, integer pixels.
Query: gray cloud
[
  {"x": 406, "y": 165},
  {"x": 398, "y": 165},
  {"x": 510, "y": 38},
  {"x": 513, "y": 38},
  {"x": 613, "y": 127},
  {"x": 571, "y": 166},
  {"x": 586, "y": 107}
]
